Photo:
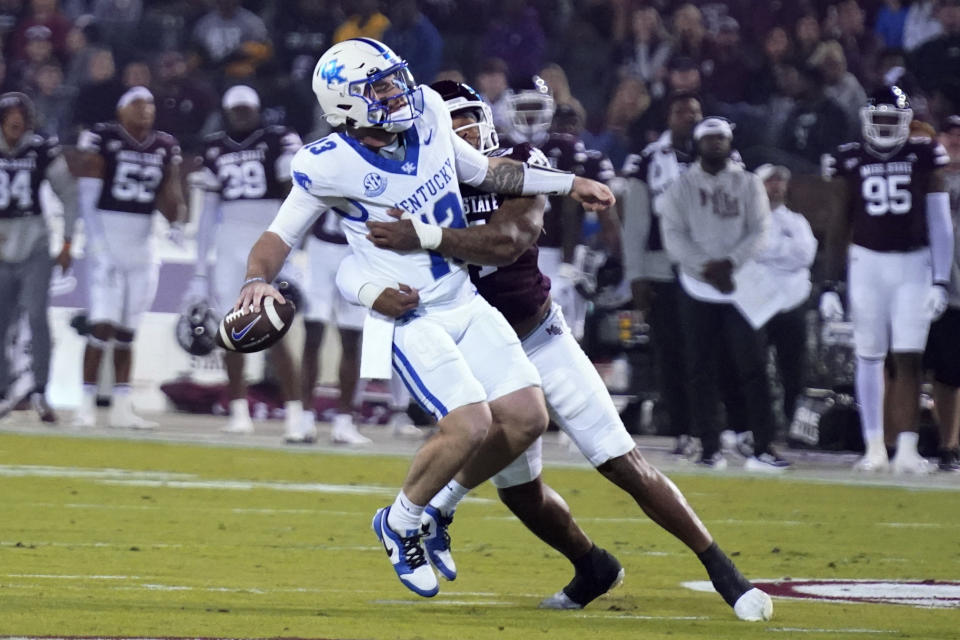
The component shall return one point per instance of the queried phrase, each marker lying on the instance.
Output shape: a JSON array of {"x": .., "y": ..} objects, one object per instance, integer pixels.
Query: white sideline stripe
[
  {"x": 71, "y": 577},
  {"x": 44, "y": 471},
  {"x": 803, "y": 630},
  {"x": 639, "y": 617},
  {"x": 148, "y": 507},
  {"x": 45, "y": 543},
  {"x": 918, "y": 525}
]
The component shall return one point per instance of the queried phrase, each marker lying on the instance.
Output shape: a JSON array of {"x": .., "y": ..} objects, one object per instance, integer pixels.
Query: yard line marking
[
  {"x": 71, "y": 577},
  {"x": 803, "y": 630},
  {"x": 48, "y": 471},
  {"x": 639, "y": 617},
  {"x": 446, "y": 603}
]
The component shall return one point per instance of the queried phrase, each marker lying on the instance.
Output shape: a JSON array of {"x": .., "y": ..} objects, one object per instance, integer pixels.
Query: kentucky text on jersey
[
  {"x": 885, "y": 168},
  {"x": 433, "y": 185}
]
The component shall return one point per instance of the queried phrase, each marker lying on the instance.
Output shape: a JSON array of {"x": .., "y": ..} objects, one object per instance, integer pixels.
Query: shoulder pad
[
  {"x": 214, "y": 137},
  {"x": 848, "y": 147}
]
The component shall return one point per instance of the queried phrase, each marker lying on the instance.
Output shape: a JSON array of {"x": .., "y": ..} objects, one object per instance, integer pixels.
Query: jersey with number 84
[{"x": 887, "y": 196}]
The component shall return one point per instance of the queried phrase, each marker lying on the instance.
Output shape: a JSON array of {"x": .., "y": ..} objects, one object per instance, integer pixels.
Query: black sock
[
  {"x": 584, "y": 563},
  {"x": 726, "y": 578}
]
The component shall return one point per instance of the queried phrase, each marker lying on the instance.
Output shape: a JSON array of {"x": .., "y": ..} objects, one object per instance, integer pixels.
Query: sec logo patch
[{"x": 374, "y": 184}]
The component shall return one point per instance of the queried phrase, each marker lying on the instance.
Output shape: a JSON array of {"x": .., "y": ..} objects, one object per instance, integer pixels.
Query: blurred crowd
[{"x": 791, "y": 74}]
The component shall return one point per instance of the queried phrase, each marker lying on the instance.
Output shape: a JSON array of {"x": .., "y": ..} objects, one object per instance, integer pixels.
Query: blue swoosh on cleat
[{"x": 239, "y": 335}]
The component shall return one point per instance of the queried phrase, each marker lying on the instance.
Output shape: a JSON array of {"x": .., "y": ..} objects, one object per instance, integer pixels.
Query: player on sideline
[
  {"x": 128, "y": 169},
  {"x": 896, "y": 214},
  {"x": 244, "y": 172},
  {"x": 26, "y": 160},
  {"x": 395, "y": 146},
  {"x": 503, "y": 235}
]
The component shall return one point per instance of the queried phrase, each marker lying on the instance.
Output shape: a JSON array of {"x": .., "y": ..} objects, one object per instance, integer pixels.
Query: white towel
[{"x": 376, "y": 351}]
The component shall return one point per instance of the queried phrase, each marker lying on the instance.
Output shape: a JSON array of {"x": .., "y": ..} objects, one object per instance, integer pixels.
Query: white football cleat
[
  {"x": 239, "y": 423},
  {"x": 303, "y": 433},
  {"x": 84, "y": 419},
  {"x": 403, "y": 426},
  {"x": 345, "y": 432},
  {"x": 910, "y": 463},
  {"x": 873, "y": 462},
  {"x": 123, "y": 417},
  {"x": 754, "y": 606}
]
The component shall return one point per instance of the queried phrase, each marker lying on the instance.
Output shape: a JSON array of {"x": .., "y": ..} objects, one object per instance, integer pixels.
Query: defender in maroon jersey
[
  {"x": 128, "y": 170},
  {"x": 896, "y": 216},
  {"x": 574, "y": 392}
]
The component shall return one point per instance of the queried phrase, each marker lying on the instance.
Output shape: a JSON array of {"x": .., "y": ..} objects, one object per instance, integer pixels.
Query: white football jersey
[{"x": 340, "y": 174}]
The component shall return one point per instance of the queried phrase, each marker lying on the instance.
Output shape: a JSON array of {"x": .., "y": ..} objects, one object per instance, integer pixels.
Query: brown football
[{"x": 248, "y": 332}]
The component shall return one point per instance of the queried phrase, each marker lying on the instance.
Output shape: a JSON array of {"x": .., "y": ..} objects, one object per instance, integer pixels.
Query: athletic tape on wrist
[
  {"x": 430, "y": 235},
  {"x": 369, "y": 293},
  {"x": 540, "y": 181}
]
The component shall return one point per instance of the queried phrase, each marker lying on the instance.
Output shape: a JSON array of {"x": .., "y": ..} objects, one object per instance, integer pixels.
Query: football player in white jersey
[
  {"x": 897, "y": 219},
  {"x": 502, "y": 236},
  {"x": 395, "y": 147},
  {"x": 244, "y": 172}
]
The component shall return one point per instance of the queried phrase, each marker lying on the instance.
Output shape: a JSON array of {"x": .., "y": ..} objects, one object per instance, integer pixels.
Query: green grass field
[{"x": 123, "y": 538}]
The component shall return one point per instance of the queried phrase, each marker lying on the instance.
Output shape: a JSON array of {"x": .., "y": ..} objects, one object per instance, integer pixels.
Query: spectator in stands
[
  {"x": 776, "y": 48},
  {"x": 942, "y": 355},
  {"x": 689, "y": 33},
  {"x": 136, "y": 73},
  {"x": 97, "y": 99},
  {"x": 647, "y": 52},
  {"x": 183, "y": 103},
  {"x": 414, "y": 38},
  {"x": 890, "y": 22},
  {"x": 41, "y": 13},
  {"x": 365, "y": 22},
  {"x": 806, "y": 36},
  {"x": 493, "y": 85},
  {"x": 53, "y": 101},
  {"x": 839, "y": 84},
  {"x": 80, "y": 47},
  {"x": 516, "y": 36},
  {"x": 39, "y": 51},
  {"x": 727, "y": 61},
  {"x": 556, "y": 79},
  {"x": 683, "y": 77},
  {"x": 937, "y": 63},
  {"x": 301, "y": 32},
  {"x": 789, "y": 252},
  {"x": 232, "y": 40},
  {"x": 629, "y": 102},
  {"x": 815, "y": 124},
  {"x": 921, "y": 24},
  {"x": 860, "y": 45},
  {"x": 10, "y": 12},
  {"x": 714, "y": 217},
  {"x": 118, "y": 21}
]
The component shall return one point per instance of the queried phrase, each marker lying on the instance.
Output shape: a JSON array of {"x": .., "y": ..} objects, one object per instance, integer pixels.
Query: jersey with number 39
[
  {"x": 359, "y": 184},
  {"x": 888, "y": 195},
  {"x": 132, "y": 171}
]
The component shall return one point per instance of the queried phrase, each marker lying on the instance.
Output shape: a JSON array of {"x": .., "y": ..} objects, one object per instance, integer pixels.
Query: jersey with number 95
[
  {"x": 887, "y": 196},
  {"x": 132, "y": 171}
]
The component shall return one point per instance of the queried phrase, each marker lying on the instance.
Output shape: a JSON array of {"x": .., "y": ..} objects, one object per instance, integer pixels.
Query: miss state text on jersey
[
  {"x": 247, "y": 169},
  {"x": 21, "y": 173},
  {"x": 888, "y": 195},
  {"x": 360, "y": 184},
  {"x": 517, "y": 290},
  {"x": 132, "y": 170}
]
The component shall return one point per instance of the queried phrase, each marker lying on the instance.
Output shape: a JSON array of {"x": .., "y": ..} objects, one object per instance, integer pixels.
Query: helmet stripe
[{"x": 375, "y": 45}]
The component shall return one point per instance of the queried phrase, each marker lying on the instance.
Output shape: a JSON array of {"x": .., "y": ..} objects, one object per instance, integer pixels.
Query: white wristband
[
  {"x": 548, "y": 182},
  {"x": 430, "y": 234},
  {"x": 369, "y": 293}
]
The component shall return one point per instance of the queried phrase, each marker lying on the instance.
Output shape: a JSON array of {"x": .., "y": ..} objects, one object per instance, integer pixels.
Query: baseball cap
[
  {"x": 953, "y": 122},
  {"x": 133, "y": 94},
  {"x": 767, "y": 171},
  {"x": 38, "y": 32},
  {"x": 713, "y": 127},
  {"x": 241, "y": 95}
]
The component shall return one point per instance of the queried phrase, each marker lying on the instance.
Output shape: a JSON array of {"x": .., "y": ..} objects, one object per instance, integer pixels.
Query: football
[{"x": 247, "y": 332}]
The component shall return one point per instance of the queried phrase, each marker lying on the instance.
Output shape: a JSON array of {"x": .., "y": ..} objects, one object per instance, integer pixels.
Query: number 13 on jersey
[{"x": 447, "y": 212}]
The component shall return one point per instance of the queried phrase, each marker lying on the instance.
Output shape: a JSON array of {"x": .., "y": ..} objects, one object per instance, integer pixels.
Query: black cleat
[
  {"x": 949, "y": 460},
  {"x": 604, "y": 573}
]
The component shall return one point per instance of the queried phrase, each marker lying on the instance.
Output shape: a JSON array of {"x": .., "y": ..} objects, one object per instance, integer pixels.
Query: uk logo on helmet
[
  {"x": 331, "y": 72},
  {"x": 374, "y": 184}
]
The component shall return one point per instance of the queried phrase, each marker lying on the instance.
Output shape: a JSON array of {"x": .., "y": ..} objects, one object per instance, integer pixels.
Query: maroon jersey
[
  {"x": 567, "y": 153},
  {"x": 327, "y": 228},
  {"x": 888, "y": 204},
  {"x": 132, "y": 171},
  {"x": 517, "y": 290},
  {"x": 21, "y": 172},
  {"x": 249, "y": 169}
]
